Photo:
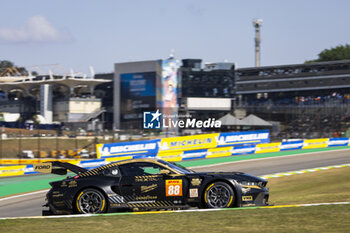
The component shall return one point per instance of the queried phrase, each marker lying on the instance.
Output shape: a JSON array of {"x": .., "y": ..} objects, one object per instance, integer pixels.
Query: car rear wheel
[
  {"x": 90, "y": 201},
  {"x": 218, "y": 195}
]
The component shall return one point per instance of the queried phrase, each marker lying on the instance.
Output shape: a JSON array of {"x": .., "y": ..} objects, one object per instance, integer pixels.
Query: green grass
[
  {"x": 322, "y": 186},
  {"x": 299, "y": 219},
  {"x": 16, "y": 185}
]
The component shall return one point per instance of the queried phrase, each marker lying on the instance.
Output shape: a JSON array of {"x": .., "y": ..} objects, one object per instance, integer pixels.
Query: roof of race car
[{"x": 113, "y": 164}]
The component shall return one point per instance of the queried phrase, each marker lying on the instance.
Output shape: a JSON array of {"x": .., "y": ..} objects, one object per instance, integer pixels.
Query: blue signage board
[
  {"x": 241, "y": 150},
  {"x": 137, "y": 148},
  {"x": 292, "y": 145},
  {"x": 240, "y": 138},
  {"x": 338, "y": 142}
]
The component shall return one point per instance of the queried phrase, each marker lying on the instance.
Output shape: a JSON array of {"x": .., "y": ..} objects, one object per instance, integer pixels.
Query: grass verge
[
  {"x": 316, "y": 187},
  {"x": 323, "y": 186},
  {"x": 299, "y": 219}
]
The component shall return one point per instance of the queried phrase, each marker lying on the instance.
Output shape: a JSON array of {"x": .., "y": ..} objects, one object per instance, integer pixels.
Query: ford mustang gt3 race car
[{"x": 147, "y": 184}]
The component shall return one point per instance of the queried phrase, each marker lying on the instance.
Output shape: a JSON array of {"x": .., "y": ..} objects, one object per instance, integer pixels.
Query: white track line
[
  {"x": 23, "y": 195},
  {"x": 303, "y": 171},
  {"x": 275, "y": 157}
]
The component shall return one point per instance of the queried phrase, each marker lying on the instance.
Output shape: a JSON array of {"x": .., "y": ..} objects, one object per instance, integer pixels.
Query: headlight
[
  {"x": 248, "y": 183},
  {"x": 252, "y": 183}
]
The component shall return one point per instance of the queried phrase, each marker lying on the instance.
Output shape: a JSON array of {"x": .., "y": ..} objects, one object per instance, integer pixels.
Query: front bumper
[{"x": 255, "y": 197}]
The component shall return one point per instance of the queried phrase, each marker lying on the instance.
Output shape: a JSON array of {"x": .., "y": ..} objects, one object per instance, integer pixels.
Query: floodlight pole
[{"x": 257, "y": 23}]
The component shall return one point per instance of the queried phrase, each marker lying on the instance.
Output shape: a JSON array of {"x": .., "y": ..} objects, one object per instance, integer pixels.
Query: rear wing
[{"x": 59, "y": 168}]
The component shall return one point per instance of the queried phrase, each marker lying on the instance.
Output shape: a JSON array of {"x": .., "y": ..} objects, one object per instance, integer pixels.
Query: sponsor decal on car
[
  {"x": 146, "y": 178},
  {"x": 247, "y": 198},
  {"x": 148, "y": 197},
  {"x": 173, "y": 188},
  {"x": 72, "y": 184},
  {"x": 193, "y": 193},
  {"x": 245, "y": 190},
  {"x": 195, "y": 182},
  {"x": 146, "y": 189},
  {"x": 43, "y": 167}
]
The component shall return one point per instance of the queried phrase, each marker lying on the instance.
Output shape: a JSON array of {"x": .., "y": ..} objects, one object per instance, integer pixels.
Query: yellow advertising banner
[
  {"x": 195, "y": 142},
  {"x": 12, "y": 170},
  {"x": 33, "y": 161},
  {"x": 172, "y": 156},
  {"x": 98, "y": 150},
  {"x": 219, "y": 152},
  {"x": 315, "y": 143},
  {"x": 267, "y": 147}
]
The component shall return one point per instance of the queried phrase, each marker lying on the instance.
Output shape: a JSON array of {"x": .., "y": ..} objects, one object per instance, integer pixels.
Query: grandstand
[{"x": 308, "y": 100}]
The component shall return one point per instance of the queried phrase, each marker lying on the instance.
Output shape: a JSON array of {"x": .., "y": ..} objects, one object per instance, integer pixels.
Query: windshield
[{"x": 177, "y": 167}]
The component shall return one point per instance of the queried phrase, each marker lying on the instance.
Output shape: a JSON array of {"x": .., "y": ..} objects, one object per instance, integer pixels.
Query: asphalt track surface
[{"x": 31, "y": 204}]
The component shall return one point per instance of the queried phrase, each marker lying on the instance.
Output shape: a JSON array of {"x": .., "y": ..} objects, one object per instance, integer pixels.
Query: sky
[{"x": 78, "y": 34}]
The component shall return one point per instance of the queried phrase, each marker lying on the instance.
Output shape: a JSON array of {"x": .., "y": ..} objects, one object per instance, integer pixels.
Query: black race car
[{"x": 147, "y": 184}]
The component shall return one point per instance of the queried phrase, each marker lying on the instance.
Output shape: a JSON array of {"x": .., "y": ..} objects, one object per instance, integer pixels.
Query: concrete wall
[
  {"x": 79, "y": 107},
  {"x": 76, "y": 106}
]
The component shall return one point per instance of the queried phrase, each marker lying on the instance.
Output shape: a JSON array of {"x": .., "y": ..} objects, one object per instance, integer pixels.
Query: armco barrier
[{"x": 179, "y": 154}]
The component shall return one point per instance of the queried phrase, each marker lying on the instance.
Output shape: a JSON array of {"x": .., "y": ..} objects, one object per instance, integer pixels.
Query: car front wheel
[{"x": 218, "y": 195}]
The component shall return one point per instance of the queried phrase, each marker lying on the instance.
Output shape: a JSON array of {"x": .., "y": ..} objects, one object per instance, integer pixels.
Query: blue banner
[
  {"x": 136, "y": 149},
  {"x": 194, "y": 154},
  {"x": 240, "y": 138},
  {"x": 241, "y": 150},
  {"x": 338, "y": 142},
  {"x": 293, "y": 145}
]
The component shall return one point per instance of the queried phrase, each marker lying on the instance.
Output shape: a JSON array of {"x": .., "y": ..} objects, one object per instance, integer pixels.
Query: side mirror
[{"x": 164, "y": 172}]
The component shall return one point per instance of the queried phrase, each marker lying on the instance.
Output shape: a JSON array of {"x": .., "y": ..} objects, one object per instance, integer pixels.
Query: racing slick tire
[
  {"x": 90, "y": 201},
  {"x": 219, "y": 195}
]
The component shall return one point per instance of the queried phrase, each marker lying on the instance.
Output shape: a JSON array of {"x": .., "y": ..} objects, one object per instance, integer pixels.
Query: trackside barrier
[
  {"x": 183, "y": 155},
  {"x": 32, "y": 161},
  {"x": 186, "y": 147}
]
